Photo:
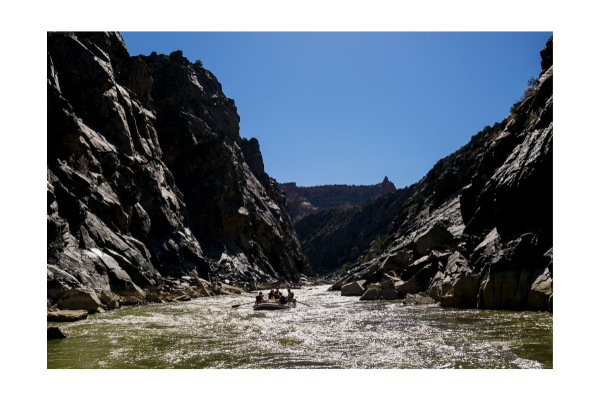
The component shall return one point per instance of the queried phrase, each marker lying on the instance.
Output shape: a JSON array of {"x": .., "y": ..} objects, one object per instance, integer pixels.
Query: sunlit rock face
[
  {"x": 481, "y": 216},
  {"x": 147, "y": 175}
]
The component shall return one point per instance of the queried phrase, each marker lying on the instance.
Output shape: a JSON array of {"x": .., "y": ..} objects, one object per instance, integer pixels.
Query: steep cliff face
[
  {"x": 147, "y": 175},
  {"x": 476, "y": 231},
  {"x": 235, "y": 209},
  {"x": 338, "y": 236},
  {"x": 309, "y": 200}
]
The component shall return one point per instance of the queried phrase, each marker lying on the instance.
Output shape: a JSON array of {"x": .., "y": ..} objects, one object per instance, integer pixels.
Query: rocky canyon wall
[
  {"x": 148, "y": 177},
  {"x": 477, "y": 230}
]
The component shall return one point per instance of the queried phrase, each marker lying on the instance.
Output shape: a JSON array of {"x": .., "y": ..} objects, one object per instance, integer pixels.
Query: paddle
[
  {"x": 237, "y": 305},
  {"x": 303, "y": 303}
]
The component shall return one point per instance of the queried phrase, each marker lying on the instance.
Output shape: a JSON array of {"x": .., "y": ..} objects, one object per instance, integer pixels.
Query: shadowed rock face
[
  {"x": 235, "y": 209},
  {"x": 147, "y": 175},
  {"x": 491, "y": 240}
]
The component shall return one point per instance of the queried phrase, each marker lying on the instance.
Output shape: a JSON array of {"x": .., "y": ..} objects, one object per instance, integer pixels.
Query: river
[{"x": 335, "y": 332}]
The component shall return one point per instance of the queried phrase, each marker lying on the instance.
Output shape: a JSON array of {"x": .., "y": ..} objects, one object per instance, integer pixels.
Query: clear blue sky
[{"x": 350, "y": 108}]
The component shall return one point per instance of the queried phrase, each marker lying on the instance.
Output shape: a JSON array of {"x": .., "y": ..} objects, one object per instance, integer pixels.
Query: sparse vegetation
[
  {"x": 515, "y": 109},
  {"x": 533, "y": 116},
  {"x": 532, "y": 82},
  {"x": 344, "y": 267},
  {"x": 198, "y": 63},
  {"x": 377, "y": 247}
]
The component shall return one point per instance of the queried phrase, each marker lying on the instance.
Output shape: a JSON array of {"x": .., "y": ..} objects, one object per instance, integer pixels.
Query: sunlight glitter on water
[{"x": 335, "y": 332}]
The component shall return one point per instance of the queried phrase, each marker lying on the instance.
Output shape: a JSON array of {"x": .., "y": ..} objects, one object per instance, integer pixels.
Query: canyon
[{"x": 153, "y": 195}]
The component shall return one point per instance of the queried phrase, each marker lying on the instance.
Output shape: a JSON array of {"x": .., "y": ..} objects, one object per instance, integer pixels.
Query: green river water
[{"x": 336, "y": 332}]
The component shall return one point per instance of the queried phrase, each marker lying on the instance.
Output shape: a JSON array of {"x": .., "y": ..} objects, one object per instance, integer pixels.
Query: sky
[{"x": 353, "y": 107}]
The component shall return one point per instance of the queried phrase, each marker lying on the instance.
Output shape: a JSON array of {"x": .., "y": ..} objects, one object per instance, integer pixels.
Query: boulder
[
  {"x": 66, "y": 315},
  {"x": 457, "y": 285},
  {"x": 486, "y": 250},
  {"x": 112, "y": 304},
  {"x": 192, "y": 293},
  {"x": 110, "y": 299},
  {"x": 120, "y": 281},
  {"x": 397, "y": 262},
  {"x": 58, "y": 282},
  {"x": 540, "y": 295},
  {"x": 389, "y": 293},
  {"x": 435, "y": 238},
  {"x": 130, "y": 300},
  {"x": 371, "y": 294},
  {"x": 354, "y": 289},
  {"x": 230, "y": 289},
  {"x": 184, "y": 285},
  {"x": 151, "y": 297},
  {"x": 506, "y": 283},
  {"x": 55, "y": 333},
  {"x": 182, "y": 298},
  {"x": 418, "y": 299},
  {"x": 337, "y": 285},
  {"x": 440, "y": 256},
  {"x": 80, "y": 299},
  {"x": 390, "y": 283},
  {"x": 541, "y": 290},
  {"x": 374, "y": 286},
  {"x": 415, "y": 267},
  {"x": 420, "y": 281}
]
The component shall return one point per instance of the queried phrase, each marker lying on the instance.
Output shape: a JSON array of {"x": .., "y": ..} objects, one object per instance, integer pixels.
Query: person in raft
[
  {"x": 259, "y": 298},
  {"x": 282, "y": 299},
  {"x": 290, "y": 296},
  {"x": 271, "y": 295},
  {"x": 277, "y": 293}
]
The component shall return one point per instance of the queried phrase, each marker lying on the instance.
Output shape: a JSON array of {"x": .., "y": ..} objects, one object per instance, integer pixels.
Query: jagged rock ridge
[
  {"x": 148, "y": 176},
  {"x": 311, "y": 199}
]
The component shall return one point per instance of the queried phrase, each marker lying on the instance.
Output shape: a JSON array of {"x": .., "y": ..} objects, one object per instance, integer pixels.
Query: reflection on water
[{"x": 336, "y": 332}]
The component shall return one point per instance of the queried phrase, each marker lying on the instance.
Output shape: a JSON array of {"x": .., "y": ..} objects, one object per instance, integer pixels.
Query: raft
[{"x": 274, "y": 306}]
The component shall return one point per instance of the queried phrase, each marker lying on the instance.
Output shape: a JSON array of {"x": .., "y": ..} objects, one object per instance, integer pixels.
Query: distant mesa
[{"x": 311, "y": 199}]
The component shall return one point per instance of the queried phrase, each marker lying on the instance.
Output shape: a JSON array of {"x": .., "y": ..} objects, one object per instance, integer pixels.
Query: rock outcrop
[
  {"x": 308, "y": 200},
  {"x": 66, "y": 315},
  {"x": 54, "y": 333},
  {"x": 353, "y": 289},
  {"x": 148, "y": 178},
  {"x": 479, "y": 225}
]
